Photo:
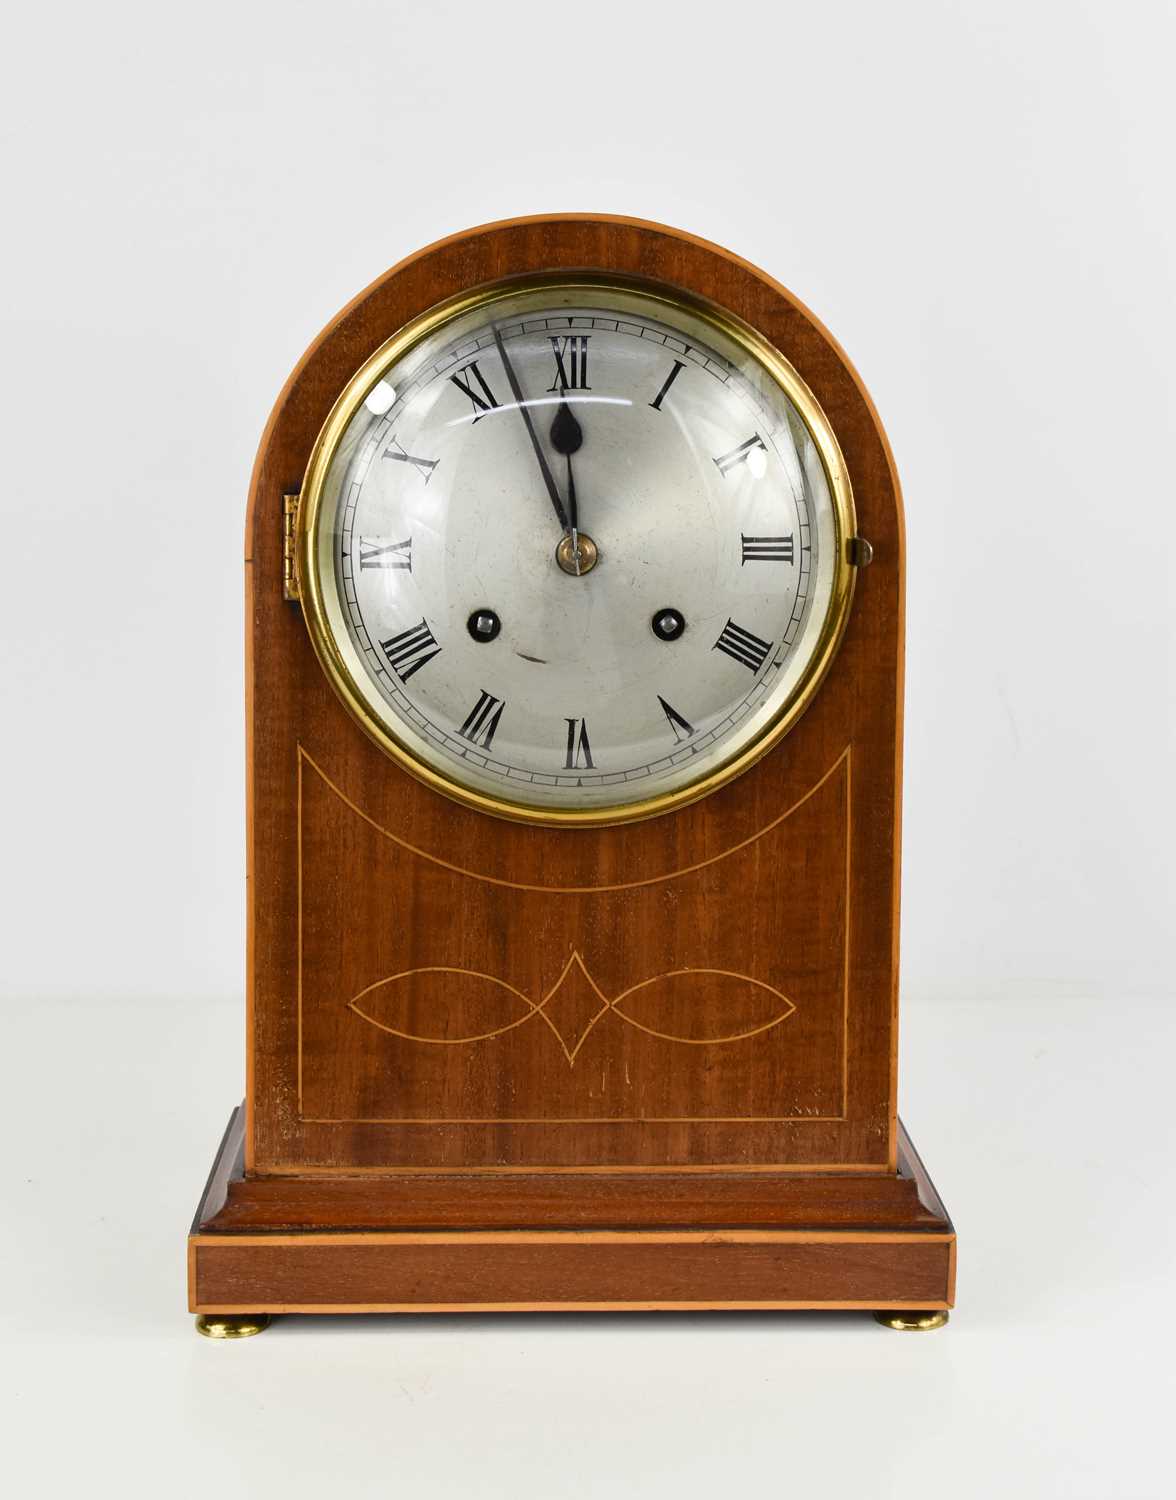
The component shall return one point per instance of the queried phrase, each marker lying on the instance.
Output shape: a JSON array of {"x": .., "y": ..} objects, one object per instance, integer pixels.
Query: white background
[{"x": 977, "y": 200}]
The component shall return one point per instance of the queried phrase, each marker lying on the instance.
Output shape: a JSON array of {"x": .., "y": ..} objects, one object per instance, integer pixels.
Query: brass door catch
[
  {"x": 858, "y": 552},
  {"x": 289, "y": 531}
]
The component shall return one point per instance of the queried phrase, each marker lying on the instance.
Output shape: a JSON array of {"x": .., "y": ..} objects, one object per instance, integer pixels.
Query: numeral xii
[{"x": 571, "y": 362}]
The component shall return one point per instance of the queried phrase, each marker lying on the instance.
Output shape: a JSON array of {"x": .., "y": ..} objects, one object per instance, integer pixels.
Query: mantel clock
[{"x": 574, "y": 677}]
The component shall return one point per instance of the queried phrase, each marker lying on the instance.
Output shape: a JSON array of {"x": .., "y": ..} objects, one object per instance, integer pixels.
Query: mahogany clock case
[{"x": 680, "y": 1083}]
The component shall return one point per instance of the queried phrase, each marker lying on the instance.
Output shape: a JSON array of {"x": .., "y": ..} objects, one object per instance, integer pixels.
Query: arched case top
[{"x": 432, "y": 988}]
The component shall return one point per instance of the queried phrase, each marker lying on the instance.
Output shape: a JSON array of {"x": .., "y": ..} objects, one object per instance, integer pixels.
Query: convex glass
[{"x": 576, "y": 551}]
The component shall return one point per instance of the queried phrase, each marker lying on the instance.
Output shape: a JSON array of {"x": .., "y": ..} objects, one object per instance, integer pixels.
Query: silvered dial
[{"x": 577, "y": 550}]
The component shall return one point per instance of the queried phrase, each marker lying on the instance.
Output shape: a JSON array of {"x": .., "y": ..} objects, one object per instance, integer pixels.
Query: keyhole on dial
[
  {"x": 483, "y": 625},
  {"x": 668, "y": 624}
]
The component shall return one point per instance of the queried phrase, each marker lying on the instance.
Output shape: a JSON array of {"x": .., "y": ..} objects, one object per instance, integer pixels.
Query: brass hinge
[{"x": 289, "y": 532}]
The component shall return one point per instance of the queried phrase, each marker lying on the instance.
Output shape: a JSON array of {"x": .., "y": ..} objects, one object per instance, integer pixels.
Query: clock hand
[
  {"x": 567, "y": 436},
  {"x": 573, "y": 510},
  {"x": 544, "y": 467}
]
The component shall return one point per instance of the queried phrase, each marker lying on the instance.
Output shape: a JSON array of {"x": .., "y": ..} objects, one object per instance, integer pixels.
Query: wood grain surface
[
  {"x": 708, "y": 990},
  {"x": 425, "y": 1199},
  {"x": 570, "y": 1271},
  {"x": 535, "y": 1241}
]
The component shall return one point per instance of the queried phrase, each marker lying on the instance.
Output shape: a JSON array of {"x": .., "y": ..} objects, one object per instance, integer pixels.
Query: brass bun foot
[
  {"x": 910, "y": 1320},
  {"x": 231, "y": 1325}
]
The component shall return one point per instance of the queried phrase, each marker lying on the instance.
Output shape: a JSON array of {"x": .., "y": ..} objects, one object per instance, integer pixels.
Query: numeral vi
[{"x": 579, "y": 757}]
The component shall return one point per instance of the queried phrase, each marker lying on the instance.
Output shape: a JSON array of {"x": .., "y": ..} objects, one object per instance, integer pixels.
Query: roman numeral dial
[
  {"x": 768, "y": 548},
  {"x": 675, "y": 370},
  {"x": 742, "y": 646},
  {"x": 472, "y": 383},
  {"x": 571, "y": 363},
  {"x": 682, "y": 728},
  {"x": 411, "y": 650},
  {"x": 483, "y": 720},
  {"x": 633, "y": 431},
  {"x": 579, "y": 752},
  {"x": 424, "y": 466},
  {"x": 381, "y": 554},
  {"x": 744, "y": 453}
]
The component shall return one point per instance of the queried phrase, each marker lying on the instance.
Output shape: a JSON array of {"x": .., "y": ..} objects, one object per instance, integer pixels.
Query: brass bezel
[{"x": 486, "y": 295}]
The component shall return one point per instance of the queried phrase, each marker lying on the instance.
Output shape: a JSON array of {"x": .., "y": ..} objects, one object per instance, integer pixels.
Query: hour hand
[{"x": 567, "y": 437}]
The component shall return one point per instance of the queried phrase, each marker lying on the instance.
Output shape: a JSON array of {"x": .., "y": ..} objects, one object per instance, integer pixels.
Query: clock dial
[{"x": 576, "y": 551}]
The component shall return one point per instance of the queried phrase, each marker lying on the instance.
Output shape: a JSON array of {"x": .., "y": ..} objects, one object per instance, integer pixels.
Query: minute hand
[{"x": 561, "y": 514}]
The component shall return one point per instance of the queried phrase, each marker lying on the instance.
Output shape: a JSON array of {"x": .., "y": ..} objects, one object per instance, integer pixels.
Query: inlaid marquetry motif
[
  {"x": 479, "y": 1000},
  {"x": 466, "y": 1002}
]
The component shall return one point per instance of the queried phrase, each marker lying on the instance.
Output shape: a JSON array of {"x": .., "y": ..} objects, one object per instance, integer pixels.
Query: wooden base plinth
[{"x": 448, "y": 1242}]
